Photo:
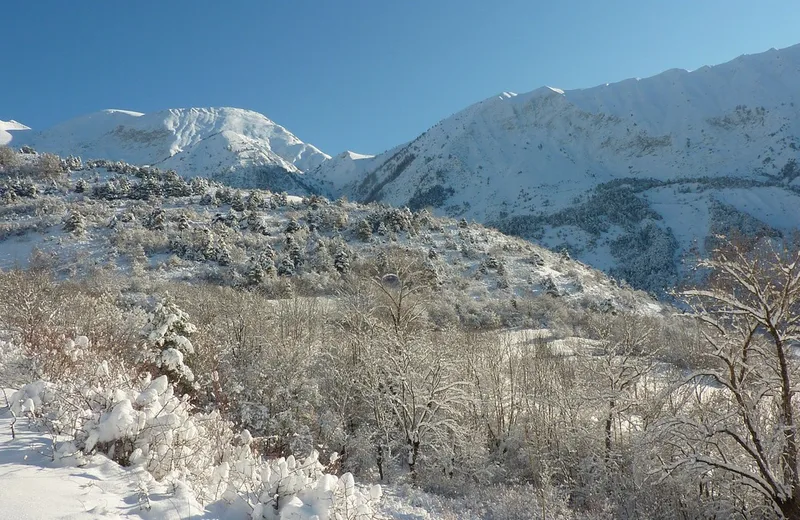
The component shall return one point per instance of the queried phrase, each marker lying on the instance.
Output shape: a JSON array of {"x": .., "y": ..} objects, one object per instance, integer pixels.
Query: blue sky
[{"x": 360, "y": 75}]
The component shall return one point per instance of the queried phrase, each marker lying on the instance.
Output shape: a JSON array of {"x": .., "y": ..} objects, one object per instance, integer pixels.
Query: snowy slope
[
  {"x": 6, "y": 127},
  {"x": 99, "y": 489},
  {"x": 207, "y": 142},
  {"x": 538, "y": 155},
  {"x": 344, "y": 169},
  {"x": 723, "y": 120}
]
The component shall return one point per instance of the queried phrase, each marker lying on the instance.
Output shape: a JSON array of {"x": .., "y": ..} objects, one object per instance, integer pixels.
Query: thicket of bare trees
[
  {"x": 735, "y": 428},
  {"x": 594, "y": 416}
]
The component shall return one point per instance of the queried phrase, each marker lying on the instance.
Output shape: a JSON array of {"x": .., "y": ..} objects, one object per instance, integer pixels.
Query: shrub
[
  {"x": 9, "y": 159},
  {"x": 47, "y": 166}
]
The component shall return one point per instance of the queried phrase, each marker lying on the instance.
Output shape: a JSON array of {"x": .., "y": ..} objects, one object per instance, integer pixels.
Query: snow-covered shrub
[
  {"x": 46, "y": 166},
  {"x": 293, "y": 489},
  {"x": 143, "y": 423},
  {"x": 32, "y": 398}
]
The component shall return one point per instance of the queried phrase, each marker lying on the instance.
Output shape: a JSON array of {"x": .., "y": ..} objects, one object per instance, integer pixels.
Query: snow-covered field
[{"x": 34, "y": 487}]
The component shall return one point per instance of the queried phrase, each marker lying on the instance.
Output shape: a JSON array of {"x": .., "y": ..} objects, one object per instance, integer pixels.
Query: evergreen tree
[
  {"x": 75, "y": 223},
  {"x": 237, "y": 204},
  {"x": 364, "y": 230},
  {"x": 292, "y": 226},
  {"x": 183, "y": 222},
  {"x": 341, "y": 260},
  {"x": 80, "y": 186},
  {"x": 156, "y": 220},
  {"x": 296, "y": 254},
  {"x": 286, "y": 267},
  {"x": 255, "y": 201},
  {"x": 167, "y": 345},
  {"x": 222, "y": 254}
]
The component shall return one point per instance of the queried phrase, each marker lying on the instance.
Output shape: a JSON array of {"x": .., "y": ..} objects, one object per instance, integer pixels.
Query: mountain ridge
[
  {"x": 631, "y": 176},
  {"x": 205, "y": 142},
  {"x": 632, "y": 159}
]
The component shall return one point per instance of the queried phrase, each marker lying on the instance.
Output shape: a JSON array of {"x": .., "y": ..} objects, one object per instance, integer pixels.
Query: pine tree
[
  {"x": 255, "y": 201},
  {"x": 167, "y": 344},
  {"x": 237, "y": 204},
  {"x": 156, "y": 220},
  {"x": 364, "y": 230},
  {"x": 222, "y": 254},
  {"x": 341, "y": 260},
  {"x": 296, "y": 254},
  {"x": 183, "y": 222},
  {"x": 322, "y": 259},
  {"x": 292, "y": 226},
  {"x": 382, "y": 230},
  {"x": 75, "y": 223},
  {"x": 286, "y": 267},
  {"x": 255, "y": 273}
]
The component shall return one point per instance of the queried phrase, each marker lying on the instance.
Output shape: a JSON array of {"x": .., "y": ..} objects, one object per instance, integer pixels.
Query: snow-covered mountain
[
  {"x": 627, "y": 176},
  {"x": 230, "y": 144},
  {"x": 347, "y": 168},
  {"x": 6, "y": 127}
]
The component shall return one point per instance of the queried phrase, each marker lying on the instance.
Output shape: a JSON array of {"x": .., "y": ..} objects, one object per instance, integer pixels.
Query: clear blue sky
[{"x": 345, "y": 74}]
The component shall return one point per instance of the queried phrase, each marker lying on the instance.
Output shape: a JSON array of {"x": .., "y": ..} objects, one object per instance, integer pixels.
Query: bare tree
[
  {"x": 47, "y": 166},
  {"x": 743, "y": 423},
  {"x": 621, "y": 361}
]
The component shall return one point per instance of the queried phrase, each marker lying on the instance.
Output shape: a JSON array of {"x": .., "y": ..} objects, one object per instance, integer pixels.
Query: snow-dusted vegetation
[{"x": 259, "y": 355}]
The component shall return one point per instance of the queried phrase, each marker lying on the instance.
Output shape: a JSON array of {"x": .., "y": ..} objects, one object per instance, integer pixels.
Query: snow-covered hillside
[
  {"x": 527, "y": 163},
  {"x": 229, "y": 144}
]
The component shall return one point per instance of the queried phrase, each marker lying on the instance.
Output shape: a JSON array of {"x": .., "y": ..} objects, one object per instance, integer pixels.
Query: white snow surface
[
  {"x": 33, "y": 487},
  {"x": 192, "y": 141},
  {"x": 6, "y": 127}
]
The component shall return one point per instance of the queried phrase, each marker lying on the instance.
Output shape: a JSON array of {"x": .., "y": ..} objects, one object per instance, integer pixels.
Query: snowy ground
[{"x": 33, "y": 487}]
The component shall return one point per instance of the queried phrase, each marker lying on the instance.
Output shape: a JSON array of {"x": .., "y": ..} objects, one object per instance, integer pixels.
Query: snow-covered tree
[
  {"x": 364, "y": 230},
  {"x": 80, "y": 186},
  {"x": 9, "y": 159},
  {"x": 739, "y": 420},
  {"x": 156, "y": 220},
  {"x": 167, "y": 344},
  {"x": 341, "y": 260},
  {"x": 75, "y": 223}
]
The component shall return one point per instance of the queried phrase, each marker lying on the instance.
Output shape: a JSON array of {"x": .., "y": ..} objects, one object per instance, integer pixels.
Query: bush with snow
[{"x": 143, "y": 423}]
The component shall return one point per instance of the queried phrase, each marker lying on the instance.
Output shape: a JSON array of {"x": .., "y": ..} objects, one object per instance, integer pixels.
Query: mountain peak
[
  {"x": 354, "y": 156},
  {"x": 6, "y": 127},
  {"x": 198, "y": 141}
]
